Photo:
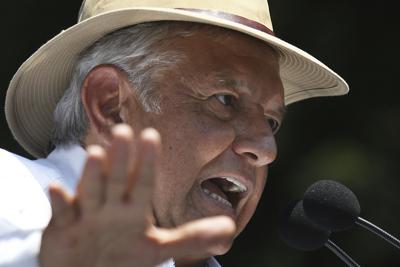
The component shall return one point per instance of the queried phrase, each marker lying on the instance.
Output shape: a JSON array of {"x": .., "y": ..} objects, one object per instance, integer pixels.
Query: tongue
[{"x": 212, "y": 186}]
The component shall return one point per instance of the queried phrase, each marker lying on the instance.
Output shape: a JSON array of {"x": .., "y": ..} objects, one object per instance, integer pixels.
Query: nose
[{"x": 256, "y": 143}]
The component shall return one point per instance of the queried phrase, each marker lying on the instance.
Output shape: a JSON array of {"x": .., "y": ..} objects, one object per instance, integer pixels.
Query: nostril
[
  {"x": 251, "y": 155},
  {"x": 258, "y": 150}
]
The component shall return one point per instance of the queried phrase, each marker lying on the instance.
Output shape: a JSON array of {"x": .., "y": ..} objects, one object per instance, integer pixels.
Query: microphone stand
[
  {"x": 378, "y": 231},
  {"x": 341, "y": 254}
]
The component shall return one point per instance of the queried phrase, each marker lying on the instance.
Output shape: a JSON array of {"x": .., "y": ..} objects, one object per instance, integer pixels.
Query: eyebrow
[{"x": 224, "y": 80}]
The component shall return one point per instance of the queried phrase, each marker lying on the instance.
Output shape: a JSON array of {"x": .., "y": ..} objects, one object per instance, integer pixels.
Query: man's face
[{"x": 219, "y": 108}]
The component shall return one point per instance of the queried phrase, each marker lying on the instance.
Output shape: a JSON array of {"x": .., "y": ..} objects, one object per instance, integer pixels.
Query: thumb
[{"x": 197, "y": 239}]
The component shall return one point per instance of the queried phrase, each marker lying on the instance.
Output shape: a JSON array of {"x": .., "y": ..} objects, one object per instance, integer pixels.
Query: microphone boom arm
[
  {"x": 378, "y": 231},
  {"x": 341, "y": 254}
]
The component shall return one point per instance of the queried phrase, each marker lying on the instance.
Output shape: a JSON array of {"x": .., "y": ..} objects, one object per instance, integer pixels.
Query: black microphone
[
  {"x": 299, "y": 232},
  {"x": 333, "y": 206}
]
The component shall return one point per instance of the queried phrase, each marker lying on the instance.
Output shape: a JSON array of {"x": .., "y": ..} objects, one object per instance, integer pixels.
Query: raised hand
[{"x": 109, "y": 222}]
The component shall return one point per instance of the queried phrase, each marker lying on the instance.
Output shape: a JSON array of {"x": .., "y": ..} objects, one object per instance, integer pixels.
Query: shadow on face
[{"x": 220, "y": 105}]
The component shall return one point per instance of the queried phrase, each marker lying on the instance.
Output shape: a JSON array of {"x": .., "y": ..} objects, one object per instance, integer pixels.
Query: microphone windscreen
[
  {"x": 297, "y": 231},
  {"x": 331, "y": 205}
]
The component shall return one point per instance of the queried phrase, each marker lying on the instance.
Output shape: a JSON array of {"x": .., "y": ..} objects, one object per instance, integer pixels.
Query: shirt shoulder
[{"x": 24, "y": 205}]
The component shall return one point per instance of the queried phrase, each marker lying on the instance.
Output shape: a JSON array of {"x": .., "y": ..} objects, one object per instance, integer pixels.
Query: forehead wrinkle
[{"x": 225, "y": 80}]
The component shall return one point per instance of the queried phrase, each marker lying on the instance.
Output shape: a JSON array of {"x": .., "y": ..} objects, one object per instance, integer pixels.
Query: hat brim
[{"x": 42, "y": 79}]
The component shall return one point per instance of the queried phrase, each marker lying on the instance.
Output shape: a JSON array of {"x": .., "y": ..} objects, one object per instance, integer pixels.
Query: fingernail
[
  {"x": 122, "y": 130},
  {"x": 95, "y": 150},
  {"x": 150, "y": 134}
]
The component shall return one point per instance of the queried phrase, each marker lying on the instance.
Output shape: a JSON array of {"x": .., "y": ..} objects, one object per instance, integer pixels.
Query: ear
[{"x": 104, "y": 92}]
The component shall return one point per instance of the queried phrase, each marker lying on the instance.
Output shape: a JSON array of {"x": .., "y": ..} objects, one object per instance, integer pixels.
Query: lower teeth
[{"x": 217, "y": 198}]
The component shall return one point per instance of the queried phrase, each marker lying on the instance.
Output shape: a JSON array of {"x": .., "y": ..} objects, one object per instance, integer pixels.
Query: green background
[{"x": 354, "y": 139}]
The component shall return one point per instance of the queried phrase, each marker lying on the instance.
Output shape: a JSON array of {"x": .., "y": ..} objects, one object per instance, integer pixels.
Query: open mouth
[{"x": 225, "y": 190}]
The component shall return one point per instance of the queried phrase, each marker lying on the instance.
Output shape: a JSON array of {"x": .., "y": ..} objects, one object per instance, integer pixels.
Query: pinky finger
[{"x": 62, "y": 207}]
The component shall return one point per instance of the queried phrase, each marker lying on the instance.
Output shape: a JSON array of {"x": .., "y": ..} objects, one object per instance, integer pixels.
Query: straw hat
[{"x": 40, "y": 82}]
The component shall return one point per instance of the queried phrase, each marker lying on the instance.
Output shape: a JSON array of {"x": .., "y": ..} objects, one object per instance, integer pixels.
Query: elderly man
[{"x": 208, "y": 78}]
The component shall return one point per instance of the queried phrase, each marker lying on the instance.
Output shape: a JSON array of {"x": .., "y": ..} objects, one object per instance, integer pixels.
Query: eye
[
  {"x": 274, "y": 124},
  {"x": 225, "y": 99}
]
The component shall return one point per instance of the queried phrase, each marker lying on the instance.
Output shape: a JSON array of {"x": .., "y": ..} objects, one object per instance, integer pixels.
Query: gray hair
[{"x": 137, "y": 50}]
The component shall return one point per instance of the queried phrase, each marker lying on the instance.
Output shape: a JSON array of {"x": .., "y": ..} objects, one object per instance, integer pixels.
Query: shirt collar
[
  {"x": 212, "y": 262},
  {"x": 70, "y": 161}
]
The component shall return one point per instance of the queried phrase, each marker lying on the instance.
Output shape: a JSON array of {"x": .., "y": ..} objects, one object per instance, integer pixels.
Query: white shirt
[{"x": 24, "y": 204}]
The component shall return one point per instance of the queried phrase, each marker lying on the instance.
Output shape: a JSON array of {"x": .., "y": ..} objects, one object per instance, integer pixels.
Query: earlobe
[{"x": 102, "y": 97}]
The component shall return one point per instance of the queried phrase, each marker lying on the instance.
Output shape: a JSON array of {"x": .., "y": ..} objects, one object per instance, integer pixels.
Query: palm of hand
[{"x": 107, "y": 223}]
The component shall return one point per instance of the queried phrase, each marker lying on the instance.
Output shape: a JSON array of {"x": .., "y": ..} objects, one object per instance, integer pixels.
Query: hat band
[{"x": 232, "y": 17}]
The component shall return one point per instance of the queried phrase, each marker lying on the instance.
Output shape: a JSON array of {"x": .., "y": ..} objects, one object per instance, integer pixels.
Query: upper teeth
[{"x": 235, "y": 185}]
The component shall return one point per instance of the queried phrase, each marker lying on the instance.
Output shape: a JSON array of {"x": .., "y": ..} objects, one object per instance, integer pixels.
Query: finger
[
  {"x": 198, "y": 239},
  {"x": 91, "y": 185},
  {"x": 119, "y": 157},
  {"x": 142, "y": 192},
  {"x": 62, "y": 207}
]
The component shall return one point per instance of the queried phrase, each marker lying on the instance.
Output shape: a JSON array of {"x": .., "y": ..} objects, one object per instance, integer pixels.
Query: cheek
[
  {"x": 253, "y": 201},
  {"x": 261, "y": 175},
  {"x": 193, "y": 140},
  {"x": 190, "y": 140}
]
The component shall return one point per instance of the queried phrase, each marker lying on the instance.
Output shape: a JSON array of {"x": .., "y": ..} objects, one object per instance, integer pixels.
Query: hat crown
[{"x": 254, "y": 10}]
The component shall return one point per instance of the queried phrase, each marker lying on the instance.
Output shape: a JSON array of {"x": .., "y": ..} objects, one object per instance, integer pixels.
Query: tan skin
[{"x": 140, "y": 203}]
